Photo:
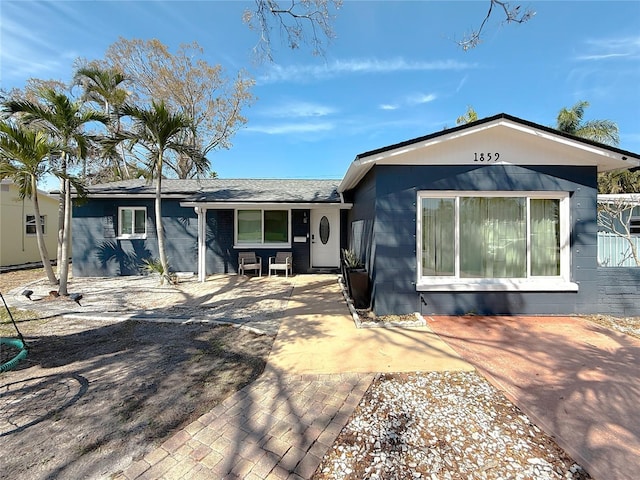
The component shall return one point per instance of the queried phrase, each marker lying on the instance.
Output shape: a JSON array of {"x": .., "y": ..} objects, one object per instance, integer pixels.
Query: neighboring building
[
  {"x": 493, "y": 217},
  {"x": 618, "y": 228},
  {"x": 18, "y": 244}
]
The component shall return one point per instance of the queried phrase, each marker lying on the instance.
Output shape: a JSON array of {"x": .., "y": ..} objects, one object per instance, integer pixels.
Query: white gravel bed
[{"x": 442, "y": 425}]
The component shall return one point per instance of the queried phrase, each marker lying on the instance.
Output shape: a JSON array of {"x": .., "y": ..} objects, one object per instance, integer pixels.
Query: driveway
[{"x": 577, "y": 380}]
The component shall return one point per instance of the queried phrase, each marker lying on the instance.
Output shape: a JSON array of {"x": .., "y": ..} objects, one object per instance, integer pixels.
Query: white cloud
[
  {"x": 421, "y": 98},
  {"x": 462, "y": 83},
  {"x": 303, "y": 73},
  {"x": 299, "y": 110},
  {"x": 410, "y": 101},
  {"x": 292, "y": 128},
  {"x": 26, "y": 48},
  {"x": 610, "y": 48}
]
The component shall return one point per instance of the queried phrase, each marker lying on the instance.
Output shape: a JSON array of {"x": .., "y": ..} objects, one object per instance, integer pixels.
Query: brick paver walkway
[{"x": 278, "y": 427}]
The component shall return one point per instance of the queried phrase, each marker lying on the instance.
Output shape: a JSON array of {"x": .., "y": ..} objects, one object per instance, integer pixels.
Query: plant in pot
[{"x": 356, "y": 277}]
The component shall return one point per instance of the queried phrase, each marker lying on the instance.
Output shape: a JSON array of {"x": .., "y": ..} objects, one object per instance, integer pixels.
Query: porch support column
[{"x": 202, "y": 243}]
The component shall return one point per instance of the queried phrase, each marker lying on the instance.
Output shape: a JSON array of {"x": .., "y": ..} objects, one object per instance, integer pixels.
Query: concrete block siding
[
  {"x": 98, "y": 251},
  {"x": 619, "y": 291}
]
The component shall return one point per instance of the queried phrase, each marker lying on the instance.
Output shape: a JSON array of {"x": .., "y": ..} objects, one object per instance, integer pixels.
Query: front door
[{"x": 325, "y": 237}]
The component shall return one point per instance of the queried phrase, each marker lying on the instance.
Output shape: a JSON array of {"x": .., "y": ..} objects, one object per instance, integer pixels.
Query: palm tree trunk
[
  {"x": 159, "y": 227},
  {"x": 42, "y": 246},
  {"x": 60, "y": 231},
  {"x": 61, "y": 212},
  {"x": 66, "y": 237}
]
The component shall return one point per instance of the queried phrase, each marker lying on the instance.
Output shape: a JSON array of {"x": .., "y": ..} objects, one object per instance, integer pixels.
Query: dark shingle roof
[{"x": 228, "y": 190}]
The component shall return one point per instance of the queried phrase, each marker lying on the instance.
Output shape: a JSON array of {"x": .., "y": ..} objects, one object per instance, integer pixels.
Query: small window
[
  {"x": 132, "y": 222},
  {"x": 634, "y": 225},
  {"x": 262, "y": 227},
  {"x": 30, "y": 224}
]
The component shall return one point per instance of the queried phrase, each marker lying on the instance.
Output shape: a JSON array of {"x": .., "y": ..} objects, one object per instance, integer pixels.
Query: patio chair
[
  {"x": 249, "y": 261},
  {"x": 282, "y": 261}
]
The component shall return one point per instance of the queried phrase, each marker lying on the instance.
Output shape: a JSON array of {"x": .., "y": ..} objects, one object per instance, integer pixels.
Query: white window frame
[
  {"x": 634, "y": 225},
  {"x": 32, "y": 223},
  {"x": 262, "y": 244},
  {"x": 560, "y": 282},
  {"x": 133, "y": 219}
]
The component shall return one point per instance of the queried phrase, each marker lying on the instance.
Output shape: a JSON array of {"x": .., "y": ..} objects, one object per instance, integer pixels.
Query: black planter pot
[{"x": 358, "y": 284}]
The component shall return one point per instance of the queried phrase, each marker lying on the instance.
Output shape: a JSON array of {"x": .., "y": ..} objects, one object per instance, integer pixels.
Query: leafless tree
[{"x": 614, "y": 214}]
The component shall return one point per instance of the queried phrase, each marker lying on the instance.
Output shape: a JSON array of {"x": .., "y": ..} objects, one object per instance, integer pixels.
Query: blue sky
[{"x": 393, "y": 73}]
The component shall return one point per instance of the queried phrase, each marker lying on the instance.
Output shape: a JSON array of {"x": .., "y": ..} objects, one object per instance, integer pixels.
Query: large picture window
[
  {"x": 262, "y": 227},
  {"x": 492, "y": 240},
  {"x": 132, "y": 222},
  {"x": 30, "y": 224}
]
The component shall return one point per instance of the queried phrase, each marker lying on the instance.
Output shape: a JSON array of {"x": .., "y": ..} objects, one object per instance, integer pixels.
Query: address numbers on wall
[{"x": 486, "y": 157}]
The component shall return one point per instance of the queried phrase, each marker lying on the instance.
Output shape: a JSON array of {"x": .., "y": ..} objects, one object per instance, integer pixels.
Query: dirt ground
[{"x": 92, "y": 396}]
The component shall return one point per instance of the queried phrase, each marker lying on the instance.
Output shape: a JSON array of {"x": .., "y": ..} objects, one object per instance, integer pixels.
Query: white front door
[{"x": 325, "y": 237}]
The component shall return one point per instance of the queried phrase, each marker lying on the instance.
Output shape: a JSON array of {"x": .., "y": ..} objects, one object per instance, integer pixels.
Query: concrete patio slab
[
  {"x": 318, "y": 336},
  {"x": 577, "y": 380}
]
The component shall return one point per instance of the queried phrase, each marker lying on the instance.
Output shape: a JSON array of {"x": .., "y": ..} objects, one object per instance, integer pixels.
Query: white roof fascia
[{"x": 612, "y": 198}]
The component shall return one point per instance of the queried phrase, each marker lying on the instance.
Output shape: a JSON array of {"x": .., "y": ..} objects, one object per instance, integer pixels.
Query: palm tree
[
  {"x": 104, "y": 87},
  {"x": 24, "y": 157},
  {"x": 604, "y": 131},
  {"x": 570, "y": 120},
  {"x": 470, "y": 116},
  {"x": 159, "y": 131},
  {"x": 65, "y": 121}
]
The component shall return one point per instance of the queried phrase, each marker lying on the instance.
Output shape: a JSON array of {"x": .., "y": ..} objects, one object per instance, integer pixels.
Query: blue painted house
[
  {"x": 494, "y": 217},
  {"x": 207, "y": 223}
]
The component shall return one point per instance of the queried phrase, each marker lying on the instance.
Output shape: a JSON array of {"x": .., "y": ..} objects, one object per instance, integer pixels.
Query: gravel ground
[
  {"x": 628, "y": 325},
  {"x": 449, "y": 425},
  {"x": 439, "y": 426}
]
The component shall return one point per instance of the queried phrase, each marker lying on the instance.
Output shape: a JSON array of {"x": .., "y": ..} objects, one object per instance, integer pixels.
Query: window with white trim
[
  {"x": 262, "y": 227},
  {"x": 493, "y": 240},
  {"x": 634, "y": 225},
  {"x": 30, "y": 227},
  {"x": 132, "y": 222}
]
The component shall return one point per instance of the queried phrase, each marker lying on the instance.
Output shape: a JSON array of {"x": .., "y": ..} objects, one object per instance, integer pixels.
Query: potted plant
[{"x": 356, "y": 277}]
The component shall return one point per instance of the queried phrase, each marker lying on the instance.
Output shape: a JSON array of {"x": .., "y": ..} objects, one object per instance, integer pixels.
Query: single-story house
[
  {"x": 497, "y": 216},
  {"x": 18, "y": 243}
]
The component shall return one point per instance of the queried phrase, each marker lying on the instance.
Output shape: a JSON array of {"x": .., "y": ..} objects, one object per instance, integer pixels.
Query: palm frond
[{"x": 603, "y": 131}]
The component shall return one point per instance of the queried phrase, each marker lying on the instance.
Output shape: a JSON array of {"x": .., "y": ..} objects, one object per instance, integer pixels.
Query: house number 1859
[{"x": 486, "y": 157}]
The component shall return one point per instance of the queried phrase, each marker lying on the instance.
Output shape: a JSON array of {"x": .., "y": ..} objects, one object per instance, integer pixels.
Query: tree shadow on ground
[
  {"x": 137, "y": 383},
  {"x": 579, "y": 381}
]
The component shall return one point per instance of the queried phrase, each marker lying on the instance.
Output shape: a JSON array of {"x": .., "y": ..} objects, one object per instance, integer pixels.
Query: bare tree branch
[
  {"x": 511, "y": 15},
  {"x": 299, "y": 22}
]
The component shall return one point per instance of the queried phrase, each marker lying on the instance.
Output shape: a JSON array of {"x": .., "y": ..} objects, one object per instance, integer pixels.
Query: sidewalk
[{"x": 280, "y": 426}]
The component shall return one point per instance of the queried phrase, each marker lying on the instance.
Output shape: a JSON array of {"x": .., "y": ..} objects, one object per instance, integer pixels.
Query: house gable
[{"x": 498, "y": 140}]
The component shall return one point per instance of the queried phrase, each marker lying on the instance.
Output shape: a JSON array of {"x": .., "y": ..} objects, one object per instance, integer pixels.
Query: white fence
[{"x": 614, "y": 251}]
